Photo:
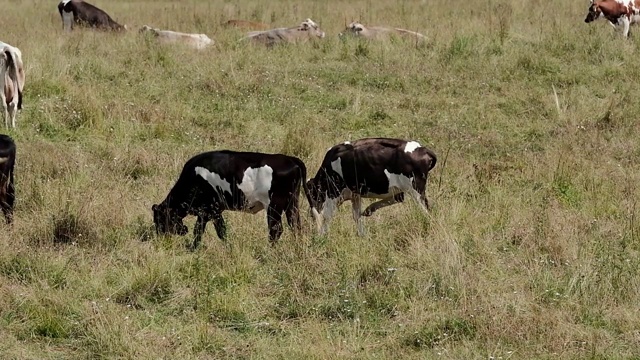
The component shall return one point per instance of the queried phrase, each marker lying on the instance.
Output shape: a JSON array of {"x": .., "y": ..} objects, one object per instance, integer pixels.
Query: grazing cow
[
  {"x": 215, "y": 181},
  {"x": 245, "y": 24},
  {"x": 196, "y": 41},
  {"x": 379, "y": 32},
  {"x": 376, "y": 168},
  {"x": 619, "y": 13},
  {"x": 7, "y": 188},
  {"x": 308, "y": 29},
  {"x": 84, "y": 14},
  {"x": 12, "y": 80}
]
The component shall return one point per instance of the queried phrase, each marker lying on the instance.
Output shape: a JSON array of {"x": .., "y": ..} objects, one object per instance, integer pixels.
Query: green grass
[{"x": 531, "y": 250}]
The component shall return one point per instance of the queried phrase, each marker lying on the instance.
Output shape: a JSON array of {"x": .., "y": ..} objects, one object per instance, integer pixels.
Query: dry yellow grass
[{"x": 531, "y": 250}]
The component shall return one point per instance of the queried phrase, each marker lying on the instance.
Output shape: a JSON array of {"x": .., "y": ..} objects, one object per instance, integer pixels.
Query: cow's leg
[
  {"x": 356, "y": 209},
  {"x": 198, "y": 230},
  {"x": 219, "y": 224},
  {"x": 397, "y": 198},
  {"x": 274, "y": 221},
  {"x": 292, "y": 212},
  {"x": 13, "y": 108},
  {"x": 8, "y": 202},
  {"x": 329, "y": 208},
  {"x": 626, "y": 25},
  {"x": 5, "y": 112}
]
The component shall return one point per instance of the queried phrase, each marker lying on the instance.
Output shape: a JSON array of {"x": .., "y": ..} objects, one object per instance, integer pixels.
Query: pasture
[{"x": 531, "y": 249}]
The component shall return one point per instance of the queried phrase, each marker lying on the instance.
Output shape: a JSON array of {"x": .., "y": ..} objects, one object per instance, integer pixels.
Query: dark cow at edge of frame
[
  {"x": 215, "y": 181},
  {"x": 378, "y": 168},
  {"x": 78, "y": 12},
  {"x": 7, "y": 187}
]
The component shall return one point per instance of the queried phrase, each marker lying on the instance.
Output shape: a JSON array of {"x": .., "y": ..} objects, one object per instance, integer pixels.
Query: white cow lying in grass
[
  {"x": 196, "y": 41},
  {"x": 307, "y": 30},
  {"x": 380, "y": 32}
]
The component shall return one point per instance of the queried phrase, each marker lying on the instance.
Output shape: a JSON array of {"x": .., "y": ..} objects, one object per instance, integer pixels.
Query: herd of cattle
[{"x": 212, "y": 182}]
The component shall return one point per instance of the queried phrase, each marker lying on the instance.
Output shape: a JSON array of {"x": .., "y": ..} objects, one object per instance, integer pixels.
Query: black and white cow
[
  {"x": 215, "y": 181},
  {"x": 377, "y": 168},
  {"x": 7, "y": 187},
  {"x": 82, "y": 13}
]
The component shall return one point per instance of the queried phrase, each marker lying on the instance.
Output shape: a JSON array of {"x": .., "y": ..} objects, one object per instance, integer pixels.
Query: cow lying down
[
  {"x": 377, "y": 168},
  {"x": 213, "y": 182},
  {"x": 196, "y": 41},
  {"x": 380, "y": 32},
  {"x": 307, "y": 30}
]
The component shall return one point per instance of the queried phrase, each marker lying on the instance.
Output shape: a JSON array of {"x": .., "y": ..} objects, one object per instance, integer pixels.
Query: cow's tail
[{"x": 303, "y": 179}]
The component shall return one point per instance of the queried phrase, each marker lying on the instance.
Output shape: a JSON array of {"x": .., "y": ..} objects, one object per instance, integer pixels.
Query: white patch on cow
[
  {"x": 219, "y": 184},
  {"x": 336, "y": 165},
  {"x": 398, "y": 182},
  {"x": 65, "y": 2},
  {"x": 3, "y": 159},
  {"x": 411, "y": 146},
  {"x": 347, "y": 143},
  {"x": 255, "y": 185}
]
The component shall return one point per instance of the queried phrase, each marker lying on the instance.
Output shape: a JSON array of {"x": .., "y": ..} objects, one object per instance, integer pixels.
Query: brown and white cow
[
  {"x": 215, "y": 181},
  {"x": 380, "y": 32},
  {"x": 379, "y": 168},
  {"x": 12, "y": 79},
  {"x": 196, "y": 41},
  {"x": 245, "y": 24},
  {"x": 620, "y": 13},
  {"x": 7, "y": 187},
  {"x": 78, "y": 12},
  {"x": 307, "y": 30}
]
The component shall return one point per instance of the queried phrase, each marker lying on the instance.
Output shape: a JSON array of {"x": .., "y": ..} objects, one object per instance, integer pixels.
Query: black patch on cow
[{"x": 7, "y": 186}]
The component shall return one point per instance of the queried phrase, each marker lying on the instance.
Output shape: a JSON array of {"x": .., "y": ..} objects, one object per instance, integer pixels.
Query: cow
[
  {"x": 619, "y": 13},
  {"x": 379, "y": 168},
  {"x": 196, "y": 41},
  {"x": 12, "y": 79},
  {"x": 245, "y": 24},
  {"x": 78, "y": 12},
  {"x": 7, "y": 187},
  {"x": 215, "y": 181},
  {"x": 379, "y": 32},
  {"x": 308, "y": 29}
]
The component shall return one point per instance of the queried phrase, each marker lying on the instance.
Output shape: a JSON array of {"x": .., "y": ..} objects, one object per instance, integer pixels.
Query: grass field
[{"x": 531, "y": 250}]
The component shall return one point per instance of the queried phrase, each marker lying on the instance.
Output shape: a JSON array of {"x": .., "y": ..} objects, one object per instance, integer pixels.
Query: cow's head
[
  {"x": 355, "y": 28},
  {"x": 148, "y": 29},
  {"x": 317, "y": 198},
  {"x": 167, "y": 220},
  {"x": 311, "y": 26},
  {"x": 594, "y": 11}
]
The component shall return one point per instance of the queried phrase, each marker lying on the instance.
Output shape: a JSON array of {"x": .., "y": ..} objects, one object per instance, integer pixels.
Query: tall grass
[{"x": 531, "y": 250}]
